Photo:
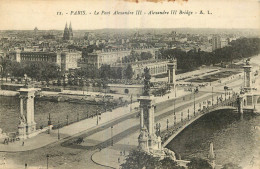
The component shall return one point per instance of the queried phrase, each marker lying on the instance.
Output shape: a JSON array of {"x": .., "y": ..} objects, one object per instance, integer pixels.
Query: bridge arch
[{"x": 193, "y": 120}]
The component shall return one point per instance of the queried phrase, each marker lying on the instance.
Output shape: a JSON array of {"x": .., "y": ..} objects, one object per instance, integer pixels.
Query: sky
[{"x": 28, "y": 14}]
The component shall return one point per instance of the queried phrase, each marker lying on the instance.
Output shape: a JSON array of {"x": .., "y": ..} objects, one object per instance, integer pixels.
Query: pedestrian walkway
[{"x": 77, "y": 128}]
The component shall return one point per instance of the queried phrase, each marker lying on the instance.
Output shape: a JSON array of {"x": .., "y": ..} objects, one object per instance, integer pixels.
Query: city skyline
[{"x": 235, "y": 14}]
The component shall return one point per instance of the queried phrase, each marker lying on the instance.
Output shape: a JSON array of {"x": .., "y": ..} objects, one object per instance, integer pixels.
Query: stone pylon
[
  {"x": 148, "y": 141},
  {"x": 27, "y": 124},
  {"x": 172, "y": 65},
  {"x": 247, "y": 77}
]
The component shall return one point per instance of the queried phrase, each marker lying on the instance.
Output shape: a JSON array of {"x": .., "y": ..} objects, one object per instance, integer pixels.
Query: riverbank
[{"x": 8, "y": 93}]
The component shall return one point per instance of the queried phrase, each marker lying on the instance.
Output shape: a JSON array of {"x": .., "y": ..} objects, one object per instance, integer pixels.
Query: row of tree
[
  {"x": 134, "y": 56},
  {"x": 105, "y": 72},
  {"x": 238, "y": 49},
  {"x": 33, "y": 69},
  {"x": 46, "y": 71}
]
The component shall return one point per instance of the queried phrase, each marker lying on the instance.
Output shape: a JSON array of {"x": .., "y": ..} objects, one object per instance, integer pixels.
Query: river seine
[
  {"x": 9, "y": 112},
  {"x": 235, "y": 138}
]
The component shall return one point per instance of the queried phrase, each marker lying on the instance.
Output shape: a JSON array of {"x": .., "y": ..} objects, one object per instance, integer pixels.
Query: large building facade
[
  {"x": 112, "y": 56},
  {"x": 65, "y": 59},
  {"x": 69, "y": 60}
]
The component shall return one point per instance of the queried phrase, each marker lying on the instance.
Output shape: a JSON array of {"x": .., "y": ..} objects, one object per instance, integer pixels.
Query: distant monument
[{"x": 68, "y": 33}]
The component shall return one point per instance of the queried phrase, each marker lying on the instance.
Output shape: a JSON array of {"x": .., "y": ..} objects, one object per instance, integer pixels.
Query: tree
[
  {"x": 105, "y": 71},
  {"x": 16, "y": 69},
  {"x": 128, "y": 72},
  {"x": 168, "y": 163},
  {"x": 231, "y": 166},
  {"x": 50, "y": 71},
  {"x": 198, "y": 163},
  {"x": 33, "y": 69},
  {"x": 5, "y": 63},
  {"x": 146, "y": 56},
  {"x": 119, "y": 73},
  {"x": 138, "y": 159}
]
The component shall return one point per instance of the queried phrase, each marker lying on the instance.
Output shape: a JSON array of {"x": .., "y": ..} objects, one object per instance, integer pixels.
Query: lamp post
[
  {"x": 131, "y": 102},
  {"x": 181, "y": 116},
  {"x": 49, "y": 122},
  {"x": 225, "y": 94},
  {"x": 112, "y": 136},
  {"x": 67, "y": 119},
  {"x": 188, "y": 114},
  {"x": 159, "y": 125},
  {"x": 174, "y": 119},
  {"x": 58, "y": 130},
  {"x": 97, "y": 117},
  {"x": 212, "y": 95},
  {"x": 194, "y": 104},
  {"x": 78, "y": 116},
  {"x": 167, "y": 124},
  {"x": 175, "y": 91},
  {"x": 47, "y": 156},
  {"x": 174, "y": 107}
]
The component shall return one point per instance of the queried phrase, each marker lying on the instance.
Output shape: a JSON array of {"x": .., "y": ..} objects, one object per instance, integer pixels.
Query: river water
[
  {"x": 235, "y": 138},
  {"x": 9, "y": 112}
]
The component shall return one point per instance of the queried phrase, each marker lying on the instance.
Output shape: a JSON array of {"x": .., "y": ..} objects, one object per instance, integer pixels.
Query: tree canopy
[
  {"x": 198, "y": 163},
  {"x": 141, "y": 160},
  {"x": 238, "y": 49}
]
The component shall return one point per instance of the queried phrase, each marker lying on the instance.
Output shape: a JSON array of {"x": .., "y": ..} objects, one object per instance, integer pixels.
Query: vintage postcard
[{"x": 131, "y": 84}]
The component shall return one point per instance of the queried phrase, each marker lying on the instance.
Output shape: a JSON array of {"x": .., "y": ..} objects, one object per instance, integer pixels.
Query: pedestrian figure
[
  {"x": 120, "y": 153},
  {"x": 23, "y": 143},
  {"x": 124, "y": 152},
  {"x": 118, "y": 159}
]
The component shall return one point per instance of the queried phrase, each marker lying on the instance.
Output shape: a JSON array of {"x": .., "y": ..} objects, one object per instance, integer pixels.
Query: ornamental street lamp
[
  {"x": 174, "y": 107},
  {"x": 67, "y": 119},
  {"x": 212, "y": 95},
  {"x": 167, "y": 124},
  {"x": 97, "y": 117},
  {"x": 112, "y": 142},
  {"x": 58, "y": 130},
  {"x": 159, "y": 125},
  {"x": 194, "y": 104},
  {"x": 47, "y": 156}
]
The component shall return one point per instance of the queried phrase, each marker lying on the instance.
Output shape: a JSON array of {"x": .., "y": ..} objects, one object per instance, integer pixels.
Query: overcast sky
[{"x": 28, "y": 14}]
